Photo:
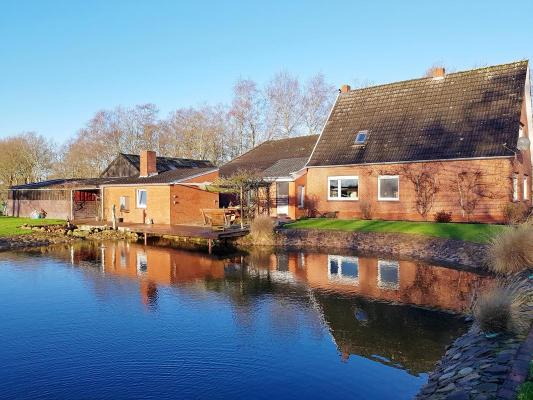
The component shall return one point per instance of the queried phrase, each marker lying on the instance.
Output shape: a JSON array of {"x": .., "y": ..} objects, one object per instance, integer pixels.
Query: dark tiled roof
[
  {"x": 270, "y": 152},
  {"x": 464, "y": 115},
  {"x": 162, "y": 178},
  {"x": 65, "y": 184},
  {"x": 285, "y": 167},
  {"x": 169, "y": 163}
]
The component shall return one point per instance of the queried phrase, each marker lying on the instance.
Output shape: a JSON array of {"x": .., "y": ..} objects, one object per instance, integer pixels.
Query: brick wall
[
  {"x": 157, "y": 207},
  {"x": 496, "y": 176},
  {"x": 186, "y": 203},
  {"x": 54, "y": 208}
]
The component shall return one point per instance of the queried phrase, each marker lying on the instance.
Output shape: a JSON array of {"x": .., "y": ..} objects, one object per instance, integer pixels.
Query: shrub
[
  {"x": 515, "y": 213},
  {"x": 366, "y": 209},
  {"x": 512, "y": 250},
  {"x": 504, "y": 308},
  {"x": 262, "y": 230},
  {"x": 443, "y": 216}
]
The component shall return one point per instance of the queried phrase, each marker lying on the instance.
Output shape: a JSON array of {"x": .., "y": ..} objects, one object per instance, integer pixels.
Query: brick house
[
  {"x": 454, "y": 142},
  {"x": 282, "y": 163},
  {"x": 143, "y": 188},
  {"x": 173, "y": 196}
]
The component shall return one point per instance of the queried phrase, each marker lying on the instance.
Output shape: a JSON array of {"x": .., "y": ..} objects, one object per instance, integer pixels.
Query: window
[
  {"x": 142, "y": 263},
  {"x": 521, "y": 131},
  {"x": 389, "y": 187},
  {"x": 525, "y": 189},
  {"x": 141, "y": 198},
  {"x": 515, "y": 187},
  {"x": 343, "y": 268},
  {"x": 388, "y": 274},
  {"x": 361, "y": 137},
  {"x": 301, "y": 196},
  {"x": 343, "y": 188},
  {"x": 124, "y": 203}
]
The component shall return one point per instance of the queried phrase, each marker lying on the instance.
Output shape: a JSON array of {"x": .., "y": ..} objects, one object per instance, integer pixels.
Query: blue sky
[{"x": 61, "y": 61}]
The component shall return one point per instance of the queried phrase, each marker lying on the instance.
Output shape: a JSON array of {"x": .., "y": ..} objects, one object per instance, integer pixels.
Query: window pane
[
  {"x": 142, "y": 197},
  {"x": 350, "y": 267},
  {"x": 333, "y": 266},
  {"x": 388, "y": 274},
  {"x": 388, "y": 188},
  {"x": 349, "y": 188},
  {"x": 333, "y": 188}
]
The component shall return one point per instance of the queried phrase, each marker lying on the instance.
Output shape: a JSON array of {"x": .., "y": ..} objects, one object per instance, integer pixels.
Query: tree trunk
[{"x": 242, "y": 207}]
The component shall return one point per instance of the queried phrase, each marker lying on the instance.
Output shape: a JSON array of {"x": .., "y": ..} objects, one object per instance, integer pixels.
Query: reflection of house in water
[
  {"x": 388, "y": 280},
  {"x": 338, "y": 289}
]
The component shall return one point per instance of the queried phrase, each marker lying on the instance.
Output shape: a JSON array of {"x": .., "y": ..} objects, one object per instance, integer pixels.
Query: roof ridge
[{"x": 429, "y": 77}]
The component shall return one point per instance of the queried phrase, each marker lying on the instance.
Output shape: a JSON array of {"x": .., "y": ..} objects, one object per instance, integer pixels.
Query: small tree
[
  {"x": 244, "y": 183},
  {"x": 471, "y": 188},
  {"x": 425, "y": 184}
]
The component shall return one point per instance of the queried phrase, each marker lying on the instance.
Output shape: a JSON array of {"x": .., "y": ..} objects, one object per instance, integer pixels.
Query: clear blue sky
[{"x": 61, "y": 61}]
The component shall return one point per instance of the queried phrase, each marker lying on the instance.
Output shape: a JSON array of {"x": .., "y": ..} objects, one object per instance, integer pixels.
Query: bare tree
[
  {"x": 317, "y": 100},
  {"x": 245, "y": 116},
  {"x": 471, "y": 188},
  {"x": 423, "y": 178},
  {"x": 284, "y": 113}
]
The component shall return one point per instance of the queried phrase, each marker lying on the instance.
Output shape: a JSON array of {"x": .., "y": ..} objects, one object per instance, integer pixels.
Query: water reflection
[{"x": 365, "y": 302}]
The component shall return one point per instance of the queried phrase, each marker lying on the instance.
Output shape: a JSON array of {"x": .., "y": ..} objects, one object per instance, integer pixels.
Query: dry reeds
[
  {"x": 504, "y": 308},
  {"x": 262, "y": 230},
  {"x": 511, "y": 251}
]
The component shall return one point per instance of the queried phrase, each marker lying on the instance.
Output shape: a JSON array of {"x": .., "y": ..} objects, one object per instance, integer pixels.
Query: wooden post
[
  {"x": 114, "y": 217},
  {"x": 210, "y": 246},
  {"x": 145, "y": 238}
]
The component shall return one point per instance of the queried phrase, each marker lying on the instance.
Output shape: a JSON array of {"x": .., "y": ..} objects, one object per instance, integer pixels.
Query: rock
[
  {"x": 446, "y": 376},
  {"x": 448, "y": 388},
  {"x": 458, "y": 395},
  {"x": 80, "y": 233},
  {"x": 487, "y": 387},
  {"x": 464, "y": 371}
]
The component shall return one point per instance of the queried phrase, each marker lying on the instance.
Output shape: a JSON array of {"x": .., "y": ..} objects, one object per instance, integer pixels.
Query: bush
[
  {"x": 511, "y": 251},
  {"x": 504, "y": 308},
  {"x": 515, "y": 213},
  {"x": 443, "y": 216},
  {"x": 262, "y": 230},
  {"x": 366, "y": 209}
]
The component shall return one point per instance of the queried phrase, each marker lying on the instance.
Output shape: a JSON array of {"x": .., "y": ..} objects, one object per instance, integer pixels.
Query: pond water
[{"x": 118, "y": 320}]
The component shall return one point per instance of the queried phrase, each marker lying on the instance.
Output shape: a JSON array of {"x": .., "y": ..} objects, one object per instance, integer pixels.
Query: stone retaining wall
[{"x": 442, "y": 251}]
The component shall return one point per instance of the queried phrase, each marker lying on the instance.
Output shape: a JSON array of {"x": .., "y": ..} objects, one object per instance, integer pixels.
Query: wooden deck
[{"x": 191, "y": 231}]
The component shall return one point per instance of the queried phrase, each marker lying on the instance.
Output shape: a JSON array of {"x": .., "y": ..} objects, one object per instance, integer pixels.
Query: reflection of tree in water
[{"x": 149, "y": 294}]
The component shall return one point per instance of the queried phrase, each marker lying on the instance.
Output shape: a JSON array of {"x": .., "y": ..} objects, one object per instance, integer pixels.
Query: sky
[{"x": 61, "y": 61}]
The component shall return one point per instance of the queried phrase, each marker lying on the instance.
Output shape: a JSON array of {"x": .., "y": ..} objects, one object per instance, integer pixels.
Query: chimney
[
  {"x": 147, "y": 165},
  {"x": 438, "y": 72},
  {"x": 345, "y": 88}
]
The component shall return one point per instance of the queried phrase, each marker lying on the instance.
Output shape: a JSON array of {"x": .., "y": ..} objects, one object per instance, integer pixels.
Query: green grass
[
  {"x": 480, "y": 233},
  {"x": 526, "y": 389},
  {"x": 10, "y": 226}
]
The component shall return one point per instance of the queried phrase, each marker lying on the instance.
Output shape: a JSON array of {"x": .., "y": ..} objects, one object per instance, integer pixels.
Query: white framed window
[
  {"x": 515, "y": 187},
  {"x": 343, "y": 268},
  {"x": 389, "y": 187},
  {"x": 124, "y": 203},
  {"x": 301, "y": 196},
  {"x": 388, "y": 274},
  {"x": 141, "y": 198},
  {"x": 525, "y": 188},
  {"x": 142, "y": 263},
  {"x": 343, "y": 188}
]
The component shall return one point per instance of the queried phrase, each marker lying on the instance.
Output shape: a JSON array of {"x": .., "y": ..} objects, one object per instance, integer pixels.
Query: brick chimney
[
  {"x": 345, "y": 88},
  {"x": 147, "y": 165},
  {"x": 438, "y": 72}
]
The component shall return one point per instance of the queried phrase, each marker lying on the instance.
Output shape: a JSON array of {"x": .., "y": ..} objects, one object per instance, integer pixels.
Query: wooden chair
[{"x": 216, "y": 218}]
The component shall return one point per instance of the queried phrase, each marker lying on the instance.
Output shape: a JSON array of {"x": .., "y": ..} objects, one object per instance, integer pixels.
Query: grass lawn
[
  {"x": 9, "y": 226},
  {"x": 526, "y": 389},
  {"x": 480, "y": 233}
]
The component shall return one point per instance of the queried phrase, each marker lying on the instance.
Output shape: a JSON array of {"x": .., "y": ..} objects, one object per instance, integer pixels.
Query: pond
[{"x": 121, "y": 320}]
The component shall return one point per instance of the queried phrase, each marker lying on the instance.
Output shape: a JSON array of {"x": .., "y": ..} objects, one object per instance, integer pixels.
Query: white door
[{"x": 282, "y": 198}]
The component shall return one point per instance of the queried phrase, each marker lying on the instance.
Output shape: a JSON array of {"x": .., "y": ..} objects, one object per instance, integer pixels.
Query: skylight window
[{"x": 361, "y": 137}]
